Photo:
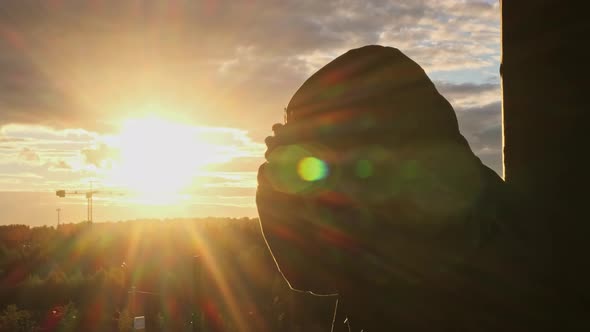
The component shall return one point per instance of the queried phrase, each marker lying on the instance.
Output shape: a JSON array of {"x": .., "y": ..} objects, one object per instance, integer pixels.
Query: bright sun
[{"x": 158, "y": 158}]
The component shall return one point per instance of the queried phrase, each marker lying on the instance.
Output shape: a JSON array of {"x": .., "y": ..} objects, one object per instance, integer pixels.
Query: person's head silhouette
[{"x": 366, "y": 179}]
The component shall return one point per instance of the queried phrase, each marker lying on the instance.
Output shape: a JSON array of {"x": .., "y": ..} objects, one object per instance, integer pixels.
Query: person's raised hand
[{"x": 273, "y": 141}]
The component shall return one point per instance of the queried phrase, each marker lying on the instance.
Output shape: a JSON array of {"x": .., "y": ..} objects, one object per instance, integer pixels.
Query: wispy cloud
[
  {"x": 469, "y": 94},
  {"x": 57, "y": 155}
]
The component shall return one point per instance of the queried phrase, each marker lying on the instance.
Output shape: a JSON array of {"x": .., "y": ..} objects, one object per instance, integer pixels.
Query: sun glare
[{"x": 158, "y": 158}]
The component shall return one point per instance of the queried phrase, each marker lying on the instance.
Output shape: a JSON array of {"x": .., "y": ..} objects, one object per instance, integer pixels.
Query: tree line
[{"x": 180, "y": 274}]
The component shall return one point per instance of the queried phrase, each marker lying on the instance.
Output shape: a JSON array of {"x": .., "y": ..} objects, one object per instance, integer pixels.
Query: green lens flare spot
[
  {"x": 312, "y": 169},
  {"x": 364, "y": 168}
]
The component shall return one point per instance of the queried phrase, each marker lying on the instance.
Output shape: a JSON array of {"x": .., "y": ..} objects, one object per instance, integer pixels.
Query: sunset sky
[{"x": 169, "y": 101}]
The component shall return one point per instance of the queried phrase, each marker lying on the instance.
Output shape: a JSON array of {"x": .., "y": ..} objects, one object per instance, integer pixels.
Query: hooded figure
[{"x": 371, "y": 192}]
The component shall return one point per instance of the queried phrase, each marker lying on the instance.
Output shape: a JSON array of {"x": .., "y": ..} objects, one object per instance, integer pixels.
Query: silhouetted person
[{"x": 370, "y": 191}]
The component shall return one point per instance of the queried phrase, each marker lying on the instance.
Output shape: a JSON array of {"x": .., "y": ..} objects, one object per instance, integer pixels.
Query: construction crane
[
  {"x": 58, "y": 216},
  {"x": 89, "y": 195}
]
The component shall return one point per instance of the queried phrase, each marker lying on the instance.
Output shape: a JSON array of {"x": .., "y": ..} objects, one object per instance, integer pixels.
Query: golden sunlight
[{"x": 158, "y": 158}]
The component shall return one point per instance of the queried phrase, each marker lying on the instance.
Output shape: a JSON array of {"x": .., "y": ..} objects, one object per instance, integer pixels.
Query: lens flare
[
  {"x": 364, "y": 168},
  {"x": 312, "y": 169}
]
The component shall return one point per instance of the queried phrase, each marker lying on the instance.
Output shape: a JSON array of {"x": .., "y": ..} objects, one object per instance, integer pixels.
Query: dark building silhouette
[{"x": 545, "y": 97}]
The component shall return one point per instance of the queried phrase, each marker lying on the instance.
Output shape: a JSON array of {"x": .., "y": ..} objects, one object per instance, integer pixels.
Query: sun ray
[{"x": 212, "y": 268}]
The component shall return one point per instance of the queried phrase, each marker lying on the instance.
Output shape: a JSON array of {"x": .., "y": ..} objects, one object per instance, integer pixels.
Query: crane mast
[{"x": 89, "y": 194}]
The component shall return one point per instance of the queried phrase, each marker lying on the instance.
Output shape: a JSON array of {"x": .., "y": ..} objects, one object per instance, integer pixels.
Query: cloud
[
  {"x": 37, "y": 134},
  {"x": 44, "y": 146},
  {"x": 492, "y": 157},
  {"x": 232, "y": 179},
  {"x": 469, "y": 94},
  {"x": 59, "y": 165},
  {"x": 100, "y": 155},
  {"x": 481, "y": 126},
  {"x": 85, "y": 65},
  {"x": 27, "y": 93},
  {"x": 11, "y": 139},
  {"x": 241, "y": 164},
  {"x": 472, "y": 120},
  {"x": 59, "y": 156},
  {"x": 29, "y": 155},
  {"x": 490, "y": 136},
  {"x": 450, "y": 35}
]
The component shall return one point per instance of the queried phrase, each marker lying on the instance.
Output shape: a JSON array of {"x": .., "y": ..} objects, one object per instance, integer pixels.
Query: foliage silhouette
[{"x": 50, "y": 272}]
